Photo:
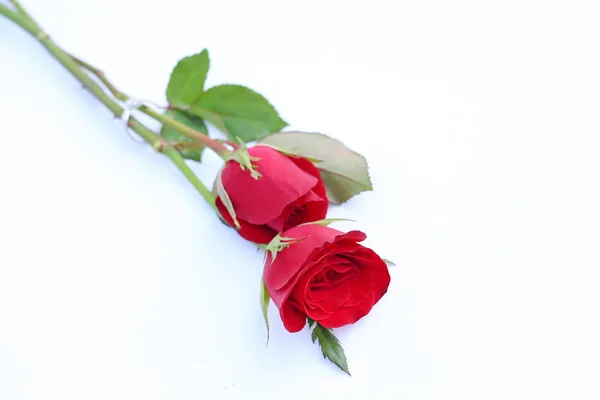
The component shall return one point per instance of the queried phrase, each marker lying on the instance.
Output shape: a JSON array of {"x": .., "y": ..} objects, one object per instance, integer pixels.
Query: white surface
[{"x": 480, "y": 123}]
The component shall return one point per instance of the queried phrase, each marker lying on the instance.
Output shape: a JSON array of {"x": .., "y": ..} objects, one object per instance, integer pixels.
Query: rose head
[
  {"x": 324, "y": 275},
  {"x": 289, "y": 192}
]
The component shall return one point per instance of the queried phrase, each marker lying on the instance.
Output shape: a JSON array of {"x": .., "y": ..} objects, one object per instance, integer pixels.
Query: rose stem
[
  {"x": 185, "y": 130},
  {"x": 21, "y": 18}
]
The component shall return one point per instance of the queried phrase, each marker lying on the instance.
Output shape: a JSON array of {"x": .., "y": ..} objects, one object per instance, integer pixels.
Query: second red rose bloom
[{"x": 325, "y": 275}]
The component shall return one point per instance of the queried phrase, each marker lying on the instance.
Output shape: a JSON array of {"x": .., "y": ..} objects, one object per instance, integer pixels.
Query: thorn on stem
[{"x": 160, "y": 146}]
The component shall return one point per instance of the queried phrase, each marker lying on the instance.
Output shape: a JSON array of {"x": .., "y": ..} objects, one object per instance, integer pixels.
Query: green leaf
[
  {"x": 239, "y": 112},
  {"x": 312, "y": 160},
  {"x": 344, "y": 172},
  {"x": 330, "y": 347},
  {"x": 265, "y": 298},
  {"x": 311, "y": 322},
  {"x": 326, "y": 222},
  {"x": 186, "y": 84},
  {"x": 220, "y": 191},
  {"x": 169, "y": 133}
]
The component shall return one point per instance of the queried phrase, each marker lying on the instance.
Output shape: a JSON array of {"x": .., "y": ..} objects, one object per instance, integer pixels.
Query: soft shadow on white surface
[{"x": 480, "y": 124}]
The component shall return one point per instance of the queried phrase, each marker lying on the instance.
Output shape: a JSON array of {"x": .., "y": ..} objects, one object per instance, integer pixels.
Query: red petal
[
  {"x": 368, "y": 291},
  {"x": 311, "y": 207},
  {"x": 315, "y": 208},
  {"x": 338, "y": 296},
  {"x": 261, "y": 234},
  {"x": 377, "y": 270},
  {"x": 353, "y": 236},
  {"x": 349, "y": 315},
  {"x": 308, "y": 166},
  {"x": 293, "y": 320},
  {"x": 315, "y": 312}
]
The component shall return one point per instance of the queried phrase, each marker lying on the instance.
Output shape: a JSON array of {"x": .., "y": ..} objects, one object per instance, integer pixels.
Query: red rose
[
  {"x": 325, "y": 275},
  {"x": 289, "y": 192}
]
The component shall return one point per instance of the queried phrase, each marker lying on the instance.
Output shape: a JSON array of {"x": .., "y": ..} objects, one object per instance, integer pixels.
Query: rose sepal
[
  {"x": 265, "y": 299},
  {"x": 279, "y": 243},
  {"x": 244, "y": 159},
  {"x": 220, "y": 192}
]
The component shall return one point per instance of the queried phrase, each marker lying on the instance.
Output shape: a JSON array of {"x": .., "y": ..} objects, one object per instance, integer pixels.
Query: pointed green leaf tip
[
  {"x": 279, "y": 243},
  {"x": 330, "y": 347},
  {"x": 389, "y": 262},
  {"x": 265, "y": 299},
  {"x": 344, "y": 172},
  {"x": 186, "y": 84},
  {"x": 238, "y": 111},
  {"x": 194, "y": 152}
]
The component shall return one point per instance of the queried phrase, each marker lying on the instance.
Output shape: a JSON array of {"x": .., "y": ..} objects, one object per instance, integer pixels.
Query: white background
[{"x": 480, "y": 121}]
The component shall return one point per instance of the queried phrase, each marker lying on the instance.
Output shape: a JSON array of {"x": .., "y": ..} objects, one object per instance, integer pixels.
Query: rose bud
[
  {"x": 288, "y": 192},
  {"x": 324, "y": 274}
]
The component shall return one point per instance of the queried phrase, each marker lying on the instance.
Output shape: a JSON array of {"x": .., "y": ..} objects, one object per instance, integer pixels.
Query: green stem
[
  {"x": 191, "y": 177},
  {"x": 20, "y": 9},
  {"x": 102, "y": 77},
  {"x": 21, "y": 18},
  {"x": 185, "y": 130}
]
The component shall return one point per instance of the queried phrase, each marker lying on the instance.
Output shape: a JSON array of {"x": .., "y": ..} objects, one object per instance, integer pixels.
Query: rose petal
[
  {"x": 308, "y": 166},
  {"x": 261, "y": 234},
  {"x": 327, "y": 287},
  {"x": 360, "y": 291},
  {"x": 349, "y": 315},
  {"x": 311, "y": 206},
  {"x": 315, "y": 311},
  {"x": 331, "y": 299},
  {"x": 293, "y": 319},
  {"x": 259, "y": 201},
  {"x": 368, "y": 291},
  {"x": 376, "y": 269}
]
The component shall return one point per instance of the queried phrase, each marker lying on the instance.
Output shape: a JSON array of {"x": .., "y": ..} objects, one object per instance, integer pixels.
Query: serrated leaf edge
[
  {"x": 289, "y": 154},
  {"x": 190, "y": 77},
  {"x": 220, "y": 117},
  {"x": 335, "y": 343}
]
